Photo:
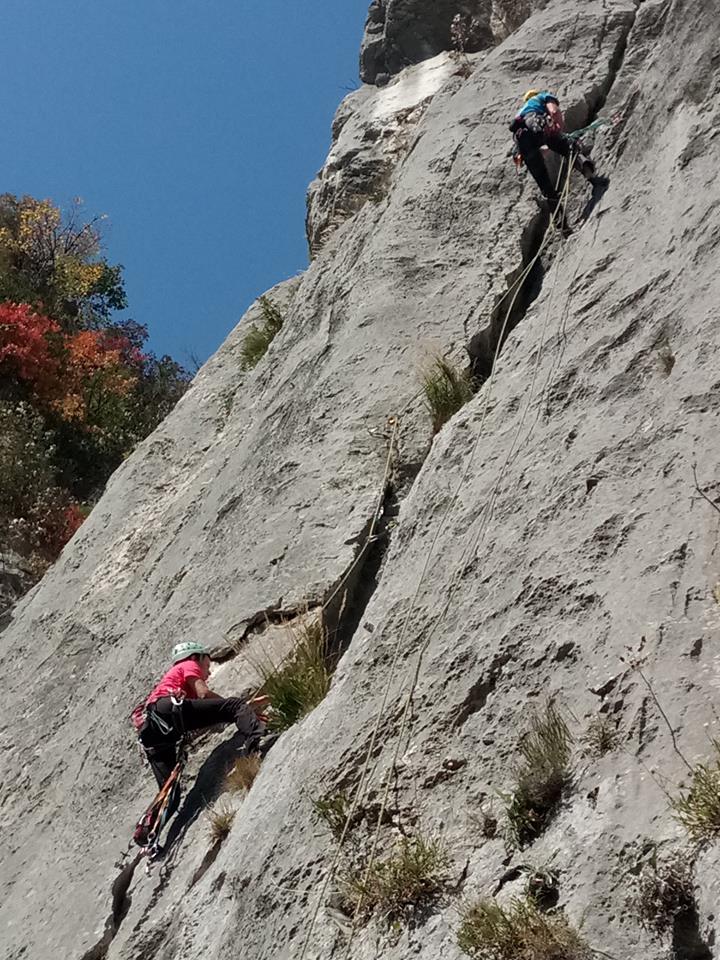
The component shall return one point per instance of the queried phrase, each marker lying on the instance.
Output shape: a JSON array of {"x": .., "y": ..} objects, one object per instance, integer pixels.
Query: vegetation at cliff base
[{"x": 78, "y": 388}]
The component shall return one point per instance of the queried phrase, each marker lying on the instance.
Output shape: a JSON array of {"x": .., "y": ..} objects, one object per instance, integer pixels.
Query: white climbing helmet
[{"x": 186, "y": 649}]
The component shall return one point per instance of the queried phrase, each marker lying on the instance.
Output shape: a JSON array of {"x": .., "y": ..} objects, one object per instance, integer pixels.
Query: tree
[{"x": 54, "y": 261}]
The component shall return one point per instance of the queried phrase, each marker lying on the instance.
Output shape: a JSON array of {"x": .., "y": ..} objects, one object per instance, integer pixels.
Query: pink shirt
[{"x": 177, "y": 681}]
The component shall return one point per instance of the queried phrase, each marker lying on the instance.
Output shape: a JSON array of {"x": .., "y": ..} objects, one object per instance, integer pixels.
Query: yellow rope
[
  {"x": 416, "y": 672},
  {"x": 517, "y": 285}
]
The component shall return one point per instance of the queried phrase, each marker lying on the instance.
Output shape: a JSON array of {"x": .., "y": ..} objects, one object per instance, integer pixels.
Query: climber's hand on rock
[{"x": 259, "y": 704}]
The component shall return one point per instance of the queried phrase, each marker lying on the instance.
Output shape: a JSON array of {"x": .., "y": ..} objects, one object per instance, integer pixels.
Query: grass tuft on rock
[
  {"x": 519, "y": 931},
  {"x": 698, "y": 810},
  {"x": 220, "y": 818},
  {"x": 540, "y": 777},
  {"x": 665, "y": 893},
  {"x": 446, "y": 389},
  {"x": 259, "y": 337},
  {"x": 404, "y": 884},
  {"x": 601, "y": 737},
  {"x": 299, "y": 684},
  {"x": 241, "y": 775},
  {"x": 333, "y": 810}
]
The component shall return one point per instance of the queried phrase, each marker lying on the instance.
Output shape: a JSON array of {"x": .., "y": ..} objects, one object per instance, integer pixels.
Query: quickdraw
[{"x": 149, "y": 827}]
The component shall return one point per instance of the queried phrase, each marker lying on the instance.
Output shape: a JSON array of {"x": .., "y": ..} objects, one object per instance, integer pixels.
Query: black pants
[
  {"x": 530, "y": 138},
  {"x": 161, "y": 738}
]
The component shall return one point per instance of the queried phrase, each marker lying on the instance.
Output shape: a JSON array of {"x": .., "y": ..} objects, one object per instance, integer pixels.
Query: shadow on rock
[
  {"x": 598, "y": 192},
  {"x": 205, "y": 790}
]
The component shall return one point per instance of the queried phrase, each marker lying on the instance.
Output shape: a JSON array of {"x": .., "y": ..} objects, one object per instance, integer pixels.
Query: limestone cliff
[{"x": 549, "y": 542}]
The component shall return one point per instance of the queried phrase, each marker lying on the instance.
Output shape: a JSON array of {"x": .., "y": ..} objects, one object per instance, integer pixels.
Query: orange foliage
[
  {"x": 92, "y": 362},
  {"x": 63, "y": 370}
]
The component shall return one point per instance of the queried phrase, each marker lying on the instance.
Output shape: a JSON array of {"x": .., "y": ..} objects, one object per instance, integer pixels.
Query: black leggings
[
  {"x": 161, "y": 745},
  {"x": 530, "y": 138}
]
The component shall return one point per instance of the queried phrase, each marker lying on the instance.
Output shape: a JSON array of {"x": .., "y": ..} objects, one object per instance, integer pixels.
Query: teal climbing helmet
[{"x": 186, "y": 649}]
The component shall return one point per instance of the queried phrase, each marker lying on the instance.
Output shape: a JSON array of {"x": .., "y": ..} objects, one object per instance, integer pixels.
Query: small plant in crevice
[
  {"x": 220, "y": 817},
  {"x": 665, "y": 892},
  {"x": 333, "y": 810},
  {"x": 298, "y": 685},
  {"x": 243, "y": 772},
  {"x": 542, "y": 886},
  {"x": 665, "y": 356},
  {"x": 541, "y": 776},
  {"x": 259, "y": 337},
  {"x": 485, "y": 820},
  {"x": 519, "y": 931},
  {"x": 601, "y": 737},
  {"x": 465, "y": 36},
  {"x": 400, "y": 887},
  {"x": 698, "y": 809},
  {"x": 446, "y": 389}
]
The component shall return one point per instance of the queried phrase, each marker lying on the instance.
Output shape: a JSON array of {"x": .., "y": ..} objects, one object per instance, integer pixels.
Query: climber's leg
[{"x": 529, "y": 145}]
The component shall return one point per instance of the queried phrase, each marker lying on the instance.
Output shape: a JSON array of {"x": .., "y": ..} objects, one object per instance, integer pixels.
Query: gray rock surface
[
  {"x": 372, "y": 132},
  {"x": 399, "y": 33},
  {"x": 550, "y": 541},
  {"x": 15, "y": 580}
]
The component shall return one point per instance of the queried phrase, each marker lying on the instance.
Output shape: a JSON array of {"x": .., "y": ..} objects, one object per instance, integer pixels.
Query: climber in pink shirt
[{"x": 182, "y": 702}]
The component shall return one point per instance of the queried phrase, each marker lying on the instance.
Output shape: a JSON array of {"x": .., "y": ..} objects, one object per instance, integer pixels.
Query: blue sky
[{"x": 196, "y": 125}]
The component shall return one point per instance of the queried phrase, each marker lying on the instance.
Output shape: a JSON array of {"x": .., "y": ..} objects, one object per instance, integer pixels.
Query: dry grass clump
[
  {"x": 601, "y": 737},
  {"x": 520, "y": 931},
  {"x": 259, "y": 338},
  {"x": 446, "y": 389},
  {"x": 541, "y": 776},
  {"x": 242, "y": 775},
  {"x": 333, "y": 810},
  {"x": 666, "y": 356},
  {"x": 299, "y": 684},
  {"x": 402, "y": 885},
  {"x": 665, "y": 892},
  {"x": 698, "y": 810},
  {"x": 220, "y": 818}
]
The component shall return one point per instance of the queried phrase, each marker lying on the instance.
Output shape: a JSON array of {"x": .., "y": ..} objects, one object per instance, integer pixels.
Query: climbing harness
[
  {"x": 576, "y": 136},
  {"x": 149, "y": 826}
]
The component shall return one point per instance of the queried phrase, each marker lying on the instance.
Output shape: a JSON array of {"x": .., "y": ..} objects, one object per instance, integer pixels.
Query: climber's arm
[
  {"x": 201, "y": 691},
  {"x": 555, "y": 114}
]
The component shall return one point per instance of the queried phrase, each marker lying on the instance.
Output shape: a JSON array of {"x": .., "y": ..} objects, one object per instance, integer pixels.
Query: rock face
[
  {"x": 15, "y": 579},
  {"x": 550, "y": 541},
  {"x": 372, "y": 133},
  {"x": 399, "y": 33}
]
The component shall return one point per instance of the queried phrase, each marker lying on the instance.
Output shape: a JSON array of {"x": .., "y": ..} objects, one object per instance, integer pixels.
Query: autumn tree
[{"x": 78, "y": 387}]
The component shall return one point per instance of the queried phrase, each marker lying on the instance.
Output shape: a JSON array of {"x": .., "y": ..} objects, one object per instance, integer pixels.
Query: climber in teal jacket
[{"x": 539, "y": 124}]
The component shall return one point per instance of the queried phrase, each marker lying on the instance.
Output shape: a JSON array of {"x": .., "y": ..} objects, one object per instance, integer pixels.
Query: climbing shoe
[{"x": 599, "y": 183}]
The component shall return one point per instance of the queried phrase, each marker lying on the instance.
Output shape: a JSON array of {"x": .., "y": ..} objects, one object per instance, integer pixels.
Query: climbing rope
[
  {"x": 517, "y": 285},
  {"x": 453, "y": 585},
  {"x": 394, "y": 424}
]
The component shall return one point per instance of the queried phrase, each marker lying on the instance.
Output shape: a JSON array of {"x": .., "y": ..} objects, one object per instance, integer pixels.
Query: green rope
[{"x": 595, "y": 125}]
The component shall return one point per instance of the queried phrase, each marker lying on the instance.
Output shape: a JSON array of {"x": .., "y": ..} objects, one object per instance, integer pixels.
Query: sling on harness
[{"x": 149, "y": 826}]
